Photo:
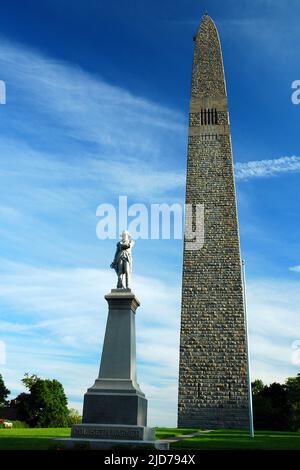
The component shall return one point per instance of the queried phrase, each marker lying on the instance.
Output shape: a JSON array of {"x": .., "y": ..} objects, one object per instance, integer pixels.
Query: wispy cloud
[
  {"x": 57, "y": 181},
  {"x": 82, "y": 106},
  {"x": 295, "y": 268},
  {"x": 256, "y": 28},
  {"x": 69, "y": 142},
  {"x": 266, "y": 168},
  {"x": 77, "y": 142},
  {"x": 273, "y": 311},
  {"x": 86, "y": 140}
]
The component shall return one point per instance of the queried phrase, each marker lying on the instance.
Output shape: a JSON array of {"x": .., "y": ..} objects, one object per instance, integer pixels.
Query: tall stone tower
[{"x": 213, "y": 353}]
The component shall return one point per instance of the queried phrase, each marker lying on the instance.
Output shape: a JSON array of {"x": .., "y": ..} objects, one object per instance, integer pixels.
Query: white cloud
[
  {"x": 83, "y": 106},
  {"x": 274, "y": 307},
  {"x": 86, "y": 142},
  {"x": 274, "y": 323},
  {"x": 266, "y": 168},
  {"x": 295, "y": 269},
  {"x": 61, "y": 182},
  {"x": 69, "y": 142},
  {"x": 265, "y": 30}
]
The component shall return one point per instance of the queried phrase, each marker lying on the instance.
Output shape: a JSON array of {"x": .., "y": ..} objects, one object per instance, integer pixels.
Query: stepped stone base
[
  {"x": 112, "y": 432},
  {"x": 108, "y": 436},
  {"x": 101, "y": 444}
]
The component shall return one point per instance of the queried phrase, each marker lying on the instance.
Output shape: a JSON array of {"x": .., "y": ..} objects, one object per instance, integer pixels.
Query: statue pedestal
[
  {"x": 115, "y": 408},
  {"x": 115, "y": 397}
]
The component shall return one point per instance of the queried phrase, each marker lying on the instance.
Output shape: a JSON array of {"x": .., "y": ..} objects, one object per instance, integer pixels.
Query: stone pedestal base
[
  {"x": 108, "y": 436},
  {"x": 112, "y": 432},
  {"x": 101, "y": 444},
  {"x": 115, "y": 409}
]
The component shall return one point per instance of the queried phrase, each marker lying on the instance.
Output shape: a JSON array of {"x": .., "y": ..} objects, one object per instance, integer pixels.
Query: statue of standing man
[{"x": 122, "y": 262}]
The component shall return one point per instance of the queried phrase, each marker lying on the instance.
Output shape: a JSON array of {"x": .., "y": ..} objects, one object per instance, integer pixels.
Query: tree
[
  {"x": 4, "y": 392},
  {"x": 45, "y": 405},
  {"x": 271, "y": 410},
  {"x": 257, "y": 386},
  {"x": 74, "y": 417},
  {"x": 292, "y": 386},
  {"x": 277, "y": 406},
  {"x": 29, "y": 380}
]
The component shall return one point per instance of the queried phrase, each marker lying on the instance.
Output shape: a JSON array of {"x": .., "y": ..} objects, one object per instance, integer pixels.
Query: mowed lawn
[
  {"x": 240, "y": 440},
  {"x": 31, "y": 439},
  {"x": 42, "y": 439}
]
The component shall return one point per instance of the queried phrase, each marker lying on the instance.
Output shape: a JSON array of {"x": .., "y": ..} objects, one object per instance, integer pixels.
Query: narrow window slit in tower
[{"x": 201, "y": 117}]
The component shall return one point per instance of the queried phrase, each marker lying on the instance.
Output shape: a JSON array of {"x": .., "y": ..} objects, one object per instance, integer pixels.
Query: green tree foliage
[
  {"x": 277, "y": 406},
  {"x": 4, "y": 392},
  {"x": 292, "y": 386},
  {"x": 45, "y": 405},
  {"x": 29, "y": 380},
  {"x": 257, "y": 386},
  {"x": 74, "y": 417}
]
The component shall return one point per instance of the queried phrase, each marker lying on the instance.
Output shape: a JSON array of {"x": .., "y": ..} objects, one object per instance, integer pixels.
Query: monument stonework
[
  {"x": 213, "y": 353},
  {"x": 115, "y": 408}
]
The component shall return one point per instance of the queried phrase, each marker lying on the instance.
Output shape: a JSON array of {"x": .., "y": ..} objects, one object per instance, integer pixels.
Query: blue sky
[{"x": 97, "y": 107}]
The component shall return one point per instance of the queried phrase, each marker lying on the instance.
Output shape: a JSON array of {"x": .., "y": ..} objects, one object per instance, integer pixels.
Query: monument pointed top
[
  {"x": 207, "y": 23},
  {"x": 208, "y": 72}
]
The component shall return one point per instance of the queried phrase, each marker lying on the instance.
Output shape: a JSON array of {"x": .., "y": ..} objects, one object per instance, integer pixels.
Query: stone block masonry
[{"x": 212, "y": 375}]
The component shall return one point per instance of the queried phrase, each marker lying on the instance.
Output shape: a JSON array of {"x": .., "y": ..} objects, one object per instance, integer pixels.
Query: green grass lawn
[
  {"x": 42, "y": 439},
  {"x": 30, "y": 439},
  {"x": 231, "y": 439}
]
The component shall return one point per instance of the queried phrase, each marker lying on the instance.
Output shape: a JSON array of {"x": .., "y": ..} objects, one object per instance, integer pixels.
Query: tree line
[
  {"x": 277, "y": 406},
  {"x": 44, "y": 404}
]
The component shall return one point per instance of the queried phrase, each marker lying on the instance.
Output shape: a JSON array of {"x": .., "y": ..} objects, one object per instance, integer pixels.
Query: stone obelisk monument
[{"x": 212, "y": 377}]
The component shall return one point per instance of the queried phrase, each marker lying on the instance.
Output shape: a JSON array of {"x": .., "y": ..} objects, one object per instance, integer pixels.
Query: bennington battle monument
[{"x": 213, "y": 350}]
